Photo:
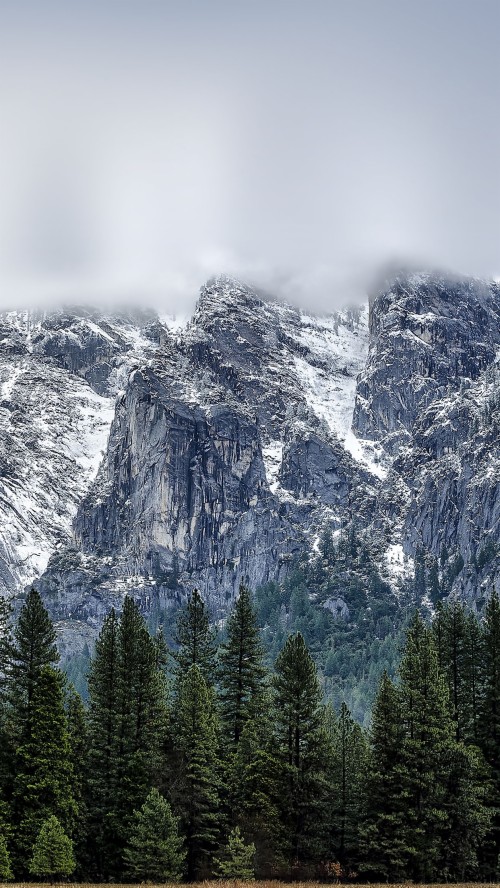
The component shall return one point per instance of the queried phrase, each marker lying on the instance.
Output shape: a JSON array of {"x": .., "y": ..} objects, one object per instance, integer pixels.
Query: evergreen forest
[{"x": 196, "y": 759}]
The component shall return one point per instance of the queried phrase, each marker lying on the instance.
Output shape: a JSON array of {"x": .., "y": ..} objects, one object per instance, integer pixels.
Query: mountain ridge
[{"x": 237, "y": 438}]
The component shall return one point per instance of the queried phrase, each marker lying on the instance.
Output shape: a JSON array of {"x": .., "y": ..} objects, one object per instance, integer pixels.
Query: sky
[{"x": 300, "y": 146}]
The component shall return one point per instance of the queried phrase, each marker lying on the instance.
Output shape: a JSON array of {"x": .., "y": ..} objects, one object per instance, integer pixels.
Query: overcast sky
[{"x": 147, "y": 145}]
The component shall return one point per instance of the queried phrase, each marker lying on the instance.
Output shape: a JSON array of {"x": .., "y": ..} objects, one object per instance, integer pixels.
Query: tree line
[{"x": 199, "y": 761}]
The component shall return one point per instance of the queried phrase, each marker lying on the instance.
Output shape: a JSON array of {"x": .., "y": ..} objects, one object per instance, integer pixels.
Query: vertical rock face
[
  {"x": 183, "y": 487},
  {"x": 235, "y": 440},
  {"x": 427, "y": 334},
  {"x": 224, "y": 456},
  {"x": 430, "y": 394}
]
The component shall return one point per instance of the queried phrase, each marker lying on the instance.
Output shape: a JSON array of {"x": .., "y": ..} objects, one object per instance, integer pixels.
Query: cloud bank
[{"x": 148, "y": 145}]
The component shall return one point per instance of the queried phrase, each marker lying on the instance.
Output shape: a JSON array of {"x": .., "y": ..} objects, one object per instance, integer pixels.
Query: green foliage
[
  {"x": 231, "y": 774},
  {"x": 489, "y": 725},
  {"x": 384, "y": 841},
  {"x": 195, "y": 639},
  {"x": 254, "y": 789},
  {"x": 346, "y": 773},
  {"x": 241, "y": 672},
  {"x": 127, "y": 720},
  {"x": 33, "y": 646},
  {"x": 6, "y": 873},
  {"x": 52, "y": 852},
  {"x": 300, "y": 748},
  {"x": 43, "y": 782},
  {"x": 154, "y": 850},
  {"x": 197, "y": 770},
  {"x": 349, "y": 616},
  {"x": 237, "y": 862}
]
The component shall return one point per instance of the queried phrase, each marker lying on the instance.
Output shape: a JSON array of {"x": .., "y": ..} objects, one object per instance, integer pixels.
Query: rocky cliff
[{"x": 159, "y": 458}]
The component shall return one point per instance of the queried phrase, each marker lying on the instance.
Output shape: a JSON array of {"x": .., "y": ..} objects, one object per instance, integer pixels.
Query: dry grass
[{"x": 255, "y": 884}]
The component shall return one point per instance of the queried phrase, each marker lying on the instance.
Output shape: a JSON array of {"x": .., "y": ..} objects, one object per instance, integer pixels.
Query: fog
[{"x": 146, "y": 146}]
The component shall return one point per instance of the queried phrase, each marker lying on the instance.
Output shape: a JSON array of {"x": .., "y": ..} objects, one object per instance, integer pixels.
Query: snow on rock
[
  {"x": 54, "y": 428},
  {"x": 272, "y": 455}
]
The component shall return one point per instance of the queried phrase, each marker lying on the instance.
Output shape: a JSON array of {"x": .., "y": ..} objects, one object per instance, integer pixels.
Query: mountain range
[{"x": 147, "y": 456}]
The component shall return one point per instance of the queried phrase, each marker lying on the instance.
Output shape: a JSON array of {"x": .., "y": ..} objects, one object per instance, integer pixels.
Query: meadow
[{"x": 235, "y": 883}]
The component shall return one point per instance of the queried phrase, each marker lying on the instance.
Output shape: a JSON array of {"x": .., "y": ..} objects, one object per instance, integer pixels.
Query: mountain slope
[{"x": 236, "y": 440}]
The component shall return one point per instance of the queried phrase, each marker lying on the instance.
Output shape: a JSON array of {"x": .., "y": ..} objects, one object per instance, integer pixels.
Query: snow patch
[{"x": 272, "y": 454}]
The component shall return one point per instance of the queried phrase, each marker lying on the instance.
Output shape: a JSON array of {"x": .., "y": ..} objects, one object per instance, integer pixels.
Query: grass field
[{"x": 255, "y": 884}]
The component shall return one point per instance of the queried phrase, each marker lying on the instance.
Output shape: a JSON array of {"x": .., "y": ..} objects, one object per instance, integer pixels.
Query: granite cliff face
[{"x": 235, "y": 440}]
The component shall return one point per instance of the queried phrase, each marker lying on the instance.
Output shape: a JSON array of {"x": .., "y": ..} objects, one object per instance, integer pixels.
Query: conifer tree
[
  {"x": 348, "y": 754},
  {"x": 5, "y": 867},
  {"x": 33, "y": 646},
  {"x": 195, "y": 639},
  {"x": 429, "y": 733},
  {"x": 474, "y": 660},
  {"x": 78, "y": 751},
  {"x": 154, "y": 850},
  {"x": 300, "y": 746},
  {"x": 52, "y": 852},
  {"x": 254, "y": 790},
  {"x": 141, "y": 711},
  {"x": 238, "y": 860},
  {"x": 43, "y": 779},
  {"x": 196, "y": 791},
  {"x": 450, "y": 635},
  {"x": 384, "y": 839},
  {"x": 126, "y": 727},
  {"x": 241, "y": 669},
  {"x": 489, "y": 730},
  {"x": 467, "y": 816},
  {"x": 102, "y": 736}
]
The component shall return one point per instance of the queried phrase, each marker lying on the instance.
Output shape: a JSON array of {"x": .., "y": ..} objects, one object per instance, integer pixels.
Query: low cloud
[{"x": 146, "y": 147}]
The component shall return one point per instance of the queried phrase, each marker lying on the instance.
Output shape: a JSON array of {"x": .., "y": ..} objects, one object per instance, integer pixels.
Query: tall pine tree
[
  {"x": 195, "y": 639},
  {"x": 300, "y": 747},
  {"x": 33, "y": 646},
  {"x": 43, "y": 780},
  {"x": 241, "y": 669},
  {"x": 348, "y": 755},
  {"x": 126, "y": 727},
  {"x": 196, "y": 788},
  {"x": 384, "y": 841}
]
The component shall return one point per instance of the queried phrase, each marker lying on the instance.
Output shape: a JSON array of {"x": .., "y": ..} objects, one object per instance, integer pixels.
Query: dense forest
[{"x": 200, "y": 760}]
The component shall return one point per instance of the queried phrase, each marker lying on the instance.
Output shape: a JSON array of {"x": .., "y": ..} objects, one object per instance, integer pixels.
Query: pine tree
[
  {"x": 300, "y": 746},
  {"x": 429, "y": 735},
  {"x": 52, "y": 852},
  {"x": 254, "y": 790},
  {"x": 489, "y": 729},
  {"x": 241, "y": 669},
  {"x": 384, "y": 840},
  {"x": 195, "y": 639},
  {"x": 348, "y": 754},
  {"x": 196, "y": 790},
  {"x": 473, "y": 666},
  {"x": 126, "y": 728},
  {"x": 154, "y": 850},
  {"x": 102, "y": 736},
  {"x": 33, "y": 647},
  {"x": 5, "y": 867},
  {"x": 450, "y": 635},
  {"x": 467, "y": 815},
  {"x": 78, "y": 752},
  {"x": 141, "y": 715},
  {"x": 238, "y": 860},
  {"x": 43, "y": 779}
]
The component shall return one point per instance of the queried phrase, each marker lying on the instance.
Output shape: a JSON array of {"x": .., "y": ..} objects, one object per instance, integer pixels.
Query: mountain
[{"x": 142, "y": 456}]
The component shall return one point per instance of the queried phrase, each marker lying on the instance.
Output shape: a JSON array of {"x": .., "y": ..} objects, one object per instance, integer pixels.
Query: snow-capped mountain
[{"x": 144, "y": 456}]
